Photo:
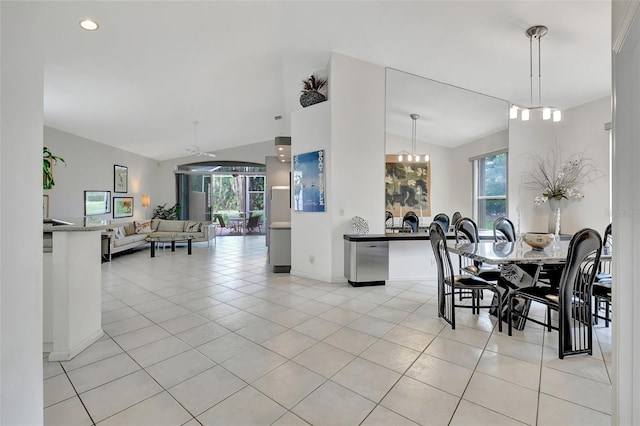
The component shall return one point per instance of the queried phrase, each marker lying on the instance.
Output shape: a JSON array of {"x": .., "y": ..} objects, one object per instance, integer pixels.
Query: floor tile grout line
[
  {"x": 78, "y": 395},
  {"x": 154, "y": 379}
]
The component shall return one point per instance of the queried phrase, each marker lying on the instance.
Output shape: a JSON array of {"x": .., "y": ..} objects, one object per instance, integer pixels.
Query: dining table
[{"x": 520, "y": 265}]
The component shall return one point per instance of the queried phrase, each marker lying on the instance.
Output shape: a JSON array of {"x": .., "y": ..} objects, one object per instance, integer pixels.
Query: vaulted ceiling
[{"x": 153, "y": 68}]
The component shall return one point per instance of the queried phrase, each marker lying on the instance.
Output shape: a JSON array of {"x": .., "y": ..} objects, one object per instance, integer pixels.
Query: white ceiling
[{"x": 154, "y": 67}]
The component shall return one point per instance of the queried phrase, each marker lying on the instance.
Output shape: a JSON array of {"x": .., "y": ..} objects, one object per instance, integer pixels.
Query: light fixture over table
[
  {"x": 535, "y": 33},
  {"x": 413, "y": 156}
]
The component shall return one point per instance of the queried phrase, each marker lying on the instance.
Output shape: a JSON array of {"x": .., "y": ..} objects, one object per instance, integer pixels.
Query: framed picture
[
  {"x": 45, "y": 207},
  {"x": 97, "y": 202},
  {"x": 122, "y": 207},
  {"x": 120, "y": 178},
  {"x": 309, "y": 182},
  {"x": 407, "y": 187}
]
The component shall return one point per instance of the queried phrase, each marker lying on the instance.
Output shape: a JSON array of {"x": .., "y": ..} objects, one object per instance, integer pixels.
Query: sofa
[{"x": 128, "y": 235}]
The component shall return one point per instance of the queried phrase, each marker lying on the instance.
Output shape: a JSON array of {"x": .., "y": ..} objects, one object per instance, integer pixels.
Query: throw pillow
[
  {"x": 143, "y": 227},
  {"x": 119, "y": 232},
  {"x": 192, "y": 226}
]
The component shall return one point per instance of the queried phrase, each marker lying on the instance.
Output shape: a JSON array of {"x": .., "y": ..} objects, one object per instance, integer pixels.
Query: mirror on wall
[{"x": 432, "y": 130}]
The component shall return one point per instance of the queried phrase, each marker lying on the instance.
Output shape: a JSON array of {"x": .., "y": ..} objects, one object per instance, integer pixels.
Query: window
[{"x": 490, "y": 188}]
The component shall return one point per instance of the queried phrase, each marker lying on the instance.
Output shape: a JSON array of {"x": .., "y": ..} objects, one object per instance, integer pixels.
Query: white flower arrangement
[{"x": 559, "y": 181}]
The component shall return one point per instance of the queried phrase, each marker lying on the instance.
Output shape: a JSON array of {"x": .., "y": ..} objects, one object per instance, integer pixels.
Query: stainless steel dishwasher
[{"x": 366, "y": 262}]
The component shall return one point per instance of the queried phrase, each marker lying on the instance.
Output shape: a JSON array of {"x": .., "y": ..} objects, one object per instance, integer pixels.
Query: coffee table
[{"x": 170, "y": 239}]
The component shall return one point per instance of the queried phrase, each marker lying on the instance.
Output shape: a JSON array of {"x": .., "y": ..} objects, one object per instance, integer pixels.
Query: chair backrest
[
  {"x": 574, "y": 299},
  {"x": 443, "y": 220},
  {"x": 503, "y": 230},
  {"x": 466, "y": 230},
  {"x": 411, "y": 221},
  {"x": 253, "y": 221},
  {"x": 440, "y": 250},
  {"x": 445, "y": 271},
  {"x": 455, "y": 218},
  {"x": 388, "y": 219},
  {"x": 607, "y": 238}
]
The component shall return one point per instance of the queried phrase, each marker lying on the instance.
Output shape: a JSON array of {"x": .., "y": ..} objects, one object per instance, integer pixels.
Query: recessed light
[
  {"x": 89, "y": 24},
  {"x": 280, "y": 148}
]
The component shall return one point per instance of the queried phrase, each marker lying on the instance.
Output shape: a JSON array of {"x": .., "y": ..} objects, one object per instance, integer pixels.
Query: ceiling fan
[{"x": 195, "y": 149}]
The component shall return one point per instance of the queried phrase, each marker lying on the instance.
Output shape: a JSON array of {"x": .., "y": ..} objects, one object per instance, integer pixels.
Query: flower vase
[{"x": 554, "y": 217}]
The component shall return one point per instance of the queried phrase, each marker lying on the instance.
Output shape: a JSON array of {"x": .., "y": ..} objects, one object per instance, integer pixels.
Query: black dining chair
[
  {"x": 466, "y": 230},
  {"x": 455, "y": 218},
  {"x": 388, "y": 219},
  {"x": 449, "y": 283},
  {"x": 571, "y": 300},
  {"x": 503, "y": 230},
  {"x": 602, "y": 285},
  {"x": 443, "y": 220},
  {"x": 410, "y": 222}
]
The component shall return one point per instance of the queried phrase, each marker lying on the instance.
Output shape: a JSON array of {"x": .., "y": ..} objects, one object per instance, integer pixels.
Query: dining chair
[
  {"x": 466, "y": 230},
  {"x": 571, "y": 300},
  {"x": 410, "y": 222},
  {"x": 221, "y": 224},
  {"x": 602, "y": 285},
  {"x": 443, "y": 220},
  {"x": 455, "y": 218},
  {"x": 503, "y": 230},
  {"x": 252, "y": 223},
  {"x": 449, "y": 283},
  {"x": 388, "y": 219}
]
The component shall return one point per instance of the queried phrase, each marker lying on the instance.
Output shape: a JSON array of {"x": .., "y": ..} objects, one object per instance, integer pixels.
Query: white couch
[{"x": 128, "y": 235}]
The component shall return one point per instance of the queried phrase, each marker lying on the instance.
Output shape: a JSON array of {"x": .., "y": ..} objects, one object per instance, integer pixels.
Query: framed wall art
[
  {"x": 120, "y": 178},
  {"x": 122, "y": 207},
  {"x": 407, "y": 187},
  {"x": 97, "y": 202},
  {"x": 309, "y": 182}
]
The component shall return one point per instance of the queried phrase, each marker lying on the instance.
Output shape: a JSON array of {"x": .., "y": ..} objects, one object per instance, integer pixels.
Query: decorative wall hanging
[
  {"x": 120, "y": 178},
  {"x": 122, "y": 207},
  {"x": 407, "y": 187},
  {"x": 309, "y": 182},
  {"x": 310, "y": 94}
]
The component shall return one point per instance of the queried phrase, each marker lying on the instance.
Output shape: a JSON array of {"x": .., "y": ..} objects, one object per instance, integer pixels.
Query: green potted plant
[
  {"x": 48, "y": 161},
  {"x": 310, "y": 94}
]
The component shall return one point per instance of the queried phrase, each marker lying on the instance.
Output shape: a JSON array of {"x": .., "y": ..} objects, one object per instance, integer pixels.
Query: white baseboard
[{"x": 66, "y": 356}]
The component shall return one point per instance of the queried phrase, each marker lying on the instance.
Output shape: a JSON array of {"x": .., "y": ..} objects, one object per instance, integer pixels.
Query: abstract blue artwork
[{"x": 309, "y": 182}]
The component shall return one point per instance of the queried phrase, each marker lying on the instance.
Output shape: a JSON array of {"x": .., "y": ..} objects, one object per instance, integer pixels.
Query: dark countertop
[
  {"x": 417, "y": 236},
  {"x": 485, "y": 235}
]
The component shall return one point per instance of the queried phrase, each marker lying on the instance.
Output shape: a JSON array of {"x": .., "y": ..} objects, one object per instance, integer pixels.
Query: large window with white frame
[{"x": 490, "y": 188}]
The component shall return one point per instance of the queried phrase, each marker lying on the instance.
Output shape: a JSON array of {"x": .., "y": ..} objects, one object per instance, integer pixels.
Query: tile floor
[{"x": 215, "y": 338}]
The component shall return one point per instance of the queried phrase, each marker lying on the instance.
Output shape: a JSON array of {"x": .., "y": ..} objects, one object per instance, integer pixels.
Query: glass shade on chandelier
[
  {"x": 548, "y": 113},
  {"x": 404, "y": 156}
]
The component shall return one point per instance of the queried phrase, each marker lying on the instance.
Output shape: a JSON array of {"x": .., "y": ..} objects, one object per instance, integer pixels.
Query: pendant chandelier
[
  {"x": 535, "y": 33},
  {"x": 412, "y": 156}
]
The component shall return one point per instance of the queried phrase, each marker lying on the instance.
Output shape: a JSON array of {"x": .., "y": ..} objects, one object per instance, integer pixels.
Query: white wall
[
  {"x": 580, "y": 131},
  {"x": 90, "y": 167},
  {"x": 356, "y": 161},
  {"x": 21, "y": 83},
  {"x": 626, "y": 212},
  {"x": 311, "y": 242},
  {"x": 166, "y": 183}
]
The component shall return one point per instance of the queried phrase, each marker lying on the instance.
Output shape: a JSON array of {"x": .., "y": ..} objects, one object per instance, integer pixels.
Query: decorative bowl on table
[{"x": 538, "y": 240}]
